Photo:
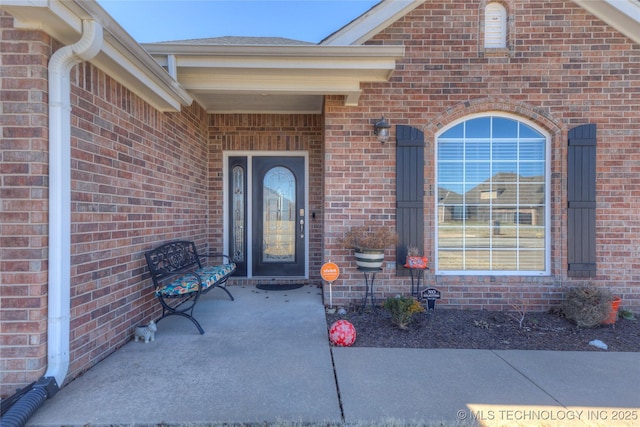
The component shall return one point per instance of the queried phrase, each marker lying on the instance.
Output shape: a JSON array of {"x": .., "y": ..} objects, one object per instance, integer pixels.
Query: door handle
[{"x": 302, "y": 228}]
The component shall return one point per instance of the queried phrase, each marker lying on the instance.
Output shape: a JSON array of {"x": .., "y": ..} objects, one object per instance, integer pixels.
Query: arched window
[
  {"x": 495, "y": 26},
  {"x": 492, "y": 198}
]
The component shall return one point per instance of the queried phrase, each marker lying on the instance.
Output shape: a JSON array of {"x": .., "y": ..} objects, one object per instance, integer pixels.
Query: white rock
[
  {"x": 598, "y": 344},
  {"x": 342, "y": 311}
]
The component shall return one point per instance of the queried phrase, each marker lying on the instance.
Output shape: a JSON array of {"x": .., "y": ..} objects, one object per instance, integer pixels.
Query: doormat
[{"x": 269, "y": 287}]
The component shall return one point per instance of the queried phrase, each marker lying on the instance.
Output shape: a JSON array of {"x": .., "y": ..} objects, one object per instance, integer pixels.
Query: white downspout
[{"x": 60, "y": 65}]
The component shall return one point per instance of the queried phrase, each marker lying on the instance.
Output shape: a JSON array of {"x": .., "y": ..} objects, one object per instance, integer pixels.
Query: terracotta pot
[{"x": 613, "y": 314}]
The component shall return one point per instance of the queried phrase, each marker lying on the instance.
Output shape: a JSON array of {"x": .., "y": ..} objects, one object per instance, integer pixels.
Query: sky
[{"x": 164, "y": 20}]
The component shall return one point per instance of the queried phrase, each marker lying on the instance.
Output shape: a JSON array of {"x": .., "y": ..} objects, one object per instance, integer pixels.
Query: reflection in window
[
  {"x": 279, "y": 216},
  {"x": 492, "y": 198}
]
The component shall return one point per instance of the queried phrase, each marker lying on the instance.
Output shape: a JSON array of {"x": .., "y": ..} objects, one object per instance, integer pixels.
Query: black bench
[{"x": 179, "y": 278}]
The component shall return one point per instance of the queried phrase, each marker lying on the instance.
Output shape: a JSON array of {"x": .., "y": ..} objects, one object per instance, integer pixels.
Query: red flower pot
[{"x": 613, "y": 314}]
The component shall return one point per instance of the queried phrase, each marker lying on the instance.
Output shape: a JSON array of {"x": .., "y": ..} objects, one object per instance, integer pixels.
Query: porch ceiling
[{"x": 273, "y": 79}]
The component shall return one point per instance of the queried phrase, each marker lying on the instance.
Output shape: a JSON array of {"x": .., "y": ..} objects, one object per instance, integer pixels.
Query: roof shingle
[{"x": 241, "y": 41}]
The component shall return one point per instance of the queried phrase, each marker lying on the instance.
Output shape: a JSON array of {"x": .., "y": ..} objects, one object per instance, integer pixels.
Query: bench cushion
[{"x": 189, "y": 283}]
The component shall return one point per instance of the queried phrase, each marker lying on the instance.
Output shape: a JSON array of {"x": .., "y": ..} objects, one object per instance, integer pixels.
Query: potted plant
[
  {"x": 613, "y": 312},
  {"x": 369, "y": 242},
  {"x": 414, "y": 259}
]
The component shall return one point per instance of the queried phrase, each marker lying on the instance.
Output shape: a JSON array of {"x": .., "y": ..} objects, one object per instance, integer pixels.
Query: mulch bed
[{"x": 480, "y": 329}]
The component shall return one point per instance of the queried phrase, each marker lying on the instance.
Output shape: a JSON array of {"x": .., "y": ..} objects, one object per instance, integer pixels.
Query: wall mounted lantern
[{"x": 381, "y": 128}]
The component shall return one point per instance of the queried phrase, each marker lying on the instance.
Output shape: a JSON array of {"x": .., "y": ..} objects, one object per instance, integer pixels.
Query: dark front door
[{"x": 278, "y": 216}]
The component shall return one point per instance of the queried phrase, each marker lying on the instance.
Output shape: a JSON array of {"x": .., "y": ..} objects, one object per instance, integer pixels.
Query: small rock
[
  {"x": 598, "y": 344},
  {"x": 342, "y": 311}
]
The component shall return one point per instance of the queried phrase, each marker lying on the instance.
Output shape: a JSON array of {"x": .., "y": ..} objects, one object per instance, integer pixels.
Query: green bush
[
  {"x": 402, "y": 309},
  {"x": 588, "y": 306}
]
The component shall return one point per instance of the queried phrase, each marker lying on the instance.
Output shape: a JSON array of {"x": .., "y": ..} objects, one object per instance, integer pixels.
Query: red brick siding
[
  {"x": 139, "y": 178},
  {"x": 23, "y": 204},
  {"x": 359, "y": 185},
  {"x": 273, "y": 132},
  {"x": 564, "y": 68}
]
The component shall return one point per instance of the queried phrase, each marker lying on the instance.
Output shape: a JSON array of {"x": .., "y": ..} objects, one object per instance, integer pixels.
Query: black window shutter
[
  {"x": 581, "y": 195},
  {"x": 409, "y": 192}
]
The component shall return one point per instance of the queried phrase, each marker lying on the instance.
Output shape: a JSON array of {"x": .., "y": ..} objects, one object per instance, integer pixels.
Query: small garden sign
[
  {"x": 430, "y": 295},
  {"x": 330, "y": 272}
]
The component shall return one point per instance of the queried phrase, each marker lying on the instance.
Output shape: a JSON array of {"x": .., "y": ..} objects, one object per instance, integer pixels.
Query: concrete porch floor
[{"x": 265, "y": 359}]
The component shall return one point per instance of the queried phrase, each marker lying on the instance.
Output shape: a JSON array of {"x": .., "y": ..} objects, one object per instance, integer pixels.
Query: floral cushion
[{"x": 189, "y": 282}]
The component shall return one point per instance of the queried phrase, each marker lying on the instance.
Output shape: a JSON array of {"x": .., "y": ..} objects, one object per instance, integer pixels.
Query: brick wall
[
  {"x": 562, "y": 68},
  {"x": 23, "y": 204},
  {"x": 139, "y": 178},
  {"x": 272, "y": 132}
]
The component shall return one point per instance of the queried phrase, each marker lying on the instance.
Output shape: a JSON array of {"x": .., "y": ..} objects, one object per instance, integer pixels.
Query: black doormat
[{"x": 268, "y": 287}]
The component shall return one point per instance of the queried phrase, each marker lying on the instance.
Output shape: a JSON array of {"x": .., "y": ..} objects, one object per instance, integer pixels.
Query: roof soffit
[
  {"x": 259, "y": 78},
  {"x": 371, "y": 22},
  {"x": 623, "y": 15},
  {"x": 278, "y": 78},
  {"x": 121, "y": 56}
]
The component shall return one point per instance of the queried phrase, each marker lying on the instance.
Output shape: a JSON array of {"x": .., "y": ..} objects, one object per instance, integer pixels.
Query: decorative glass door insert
[{"x": 279, "y": 216}]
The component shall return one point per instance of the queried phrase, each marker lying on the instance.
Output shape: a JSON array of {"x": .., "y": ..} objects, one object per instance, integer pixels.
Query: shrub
[
  {"x": 402, "y": 309},
  {"x": 588, "y": 306}
]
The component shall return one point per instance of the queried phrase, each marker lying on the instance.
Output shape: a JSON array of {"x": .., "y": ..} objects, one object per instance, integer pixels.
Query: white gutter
[
  {"x": 60, "y": 65},
  {"x": 121, "y": 57}
]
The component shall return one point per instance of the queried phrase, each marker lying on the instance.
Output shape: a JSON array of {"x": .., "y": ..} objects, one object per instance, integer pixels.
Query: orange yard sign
[{"x": 329, "y": 271}]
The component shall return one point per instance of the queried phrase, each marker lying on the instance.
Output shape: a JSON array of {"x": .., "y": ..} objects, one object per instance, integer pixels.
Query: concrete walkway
[{"x": 265, "y": 359}]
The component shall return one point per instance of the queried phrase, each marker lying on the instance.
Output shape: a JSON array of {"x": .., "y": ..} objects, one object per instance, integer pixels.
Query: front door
[
  {"x": 274, "y": 217},
  {"x": 278, "y": 216}
]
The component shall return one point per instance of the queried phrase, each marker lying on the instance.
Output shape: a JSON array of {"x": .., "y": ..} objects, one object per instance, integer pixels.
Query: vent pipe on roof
[{"x": 59, "y": 304}]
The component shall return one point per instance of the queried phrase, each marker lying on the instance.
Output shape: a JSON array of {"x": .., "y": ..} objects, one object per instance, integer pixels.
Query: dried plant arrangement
[{"x": 369, "y": 237}]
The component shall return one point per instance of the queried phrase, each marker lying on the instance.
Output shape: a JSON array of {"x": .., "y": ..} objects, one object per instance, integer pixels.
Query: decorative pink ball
[{"x": 342, "y": 333}]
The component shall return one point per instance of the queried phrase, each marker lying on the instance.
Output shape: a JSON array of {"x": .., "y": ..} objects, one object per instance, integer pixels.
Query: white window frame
[{"x": 547, "y": 202}]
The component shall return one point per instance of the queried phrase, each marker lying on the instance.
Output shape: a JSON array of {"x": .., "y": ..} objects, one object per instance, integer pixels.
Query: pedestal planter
[
  {"x": 613, "y": 314},
  {"x": 369, "y": 258}
]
